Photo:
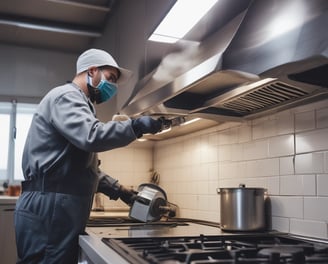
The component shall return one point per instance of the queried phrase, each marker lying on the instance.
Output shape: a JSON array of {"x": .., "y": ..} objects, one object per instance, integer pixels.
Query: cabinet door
[{"x": 8, "y": 254}]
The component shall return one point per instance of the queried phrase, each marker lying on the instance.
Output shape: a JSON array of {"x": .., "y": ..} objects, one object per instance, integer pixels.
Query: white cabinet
[{"x": 8, "y": 254}]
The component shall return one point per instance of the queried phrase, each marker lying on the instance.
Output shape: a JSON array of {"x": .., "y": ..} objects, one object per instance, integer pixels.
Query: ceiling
[
  {"x": 73, "y": 25},
  {"x": 66, "y": 25}
]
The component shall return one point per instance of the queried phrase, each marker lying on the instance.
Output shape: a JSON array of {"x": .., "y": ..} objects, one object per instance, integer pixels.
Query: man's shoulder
[{"x": 67, "y": 89}]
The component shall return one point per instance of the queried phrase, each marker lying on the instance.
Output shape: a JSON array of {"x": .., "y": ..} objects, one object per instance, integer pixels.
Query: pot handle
[{"x": 241, "y": 185}]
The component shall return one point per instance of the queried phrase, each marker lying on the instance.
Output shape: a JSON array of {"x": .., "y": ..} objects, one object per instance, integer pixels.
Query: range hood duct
[{"x": 207, "y": 90}]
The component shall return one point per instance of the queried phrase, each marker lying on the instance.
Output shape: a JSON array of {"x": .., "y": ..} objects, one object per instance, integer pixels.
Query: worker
[{"x": 60, "y": 164}]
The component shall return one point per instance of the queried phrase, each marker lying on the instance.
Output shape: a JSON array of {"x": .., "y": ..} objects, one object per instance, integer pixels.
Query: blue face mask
[
  {"x": 104, "y": 91},
  {"x": 107, "y": 91}
]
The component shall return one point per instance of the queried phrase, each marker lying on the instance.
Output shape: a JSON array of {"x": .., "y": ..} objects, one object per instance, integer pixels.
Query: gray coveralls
[{"x": 60, "y": 169}]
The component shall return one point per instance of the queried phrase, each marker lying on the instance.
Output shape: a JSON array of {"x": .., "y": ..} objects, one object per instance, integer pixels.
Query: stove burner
[
  {"x": 237, "y": 249},
  {"x": 294, "y": 253}
]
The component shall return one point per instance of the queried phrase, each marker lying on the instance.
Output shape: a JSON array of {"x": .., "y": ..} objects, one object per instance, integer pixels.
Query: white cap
[{"x": 98, "y": 58}]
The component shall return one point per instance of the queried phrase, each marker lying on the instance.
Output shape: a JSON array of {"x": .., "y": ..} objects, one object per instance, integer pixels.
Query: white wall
[{"x": 287, "y": 153}]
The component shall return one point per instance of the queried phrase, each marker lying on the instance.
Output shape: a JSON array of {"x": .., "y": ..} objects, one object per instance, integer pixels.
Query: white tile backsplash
[
  {"x": 315, "y": 140},
  {"x": 315, "y": 208},
  {"x": 322, "y": 184},
  {"x": 260, "y": 168},
  {"x": 322, "y": 118},
  {"x": 256, "y": 149},
  {"x": 281, "y": 146},
  {"x": 273, "y": 184},
  {"x": 326, "y": 162},
  {"x": 262, "y": 128},
  {"x": 237, "y": 152},
  {"x": 308, "y": 228},
  {"x": 309, "y": 163},
  {"x": 281, "y": 224},
  {"x": 225, "y": 152},
  {"x": 287, "y": 153},
  {"x": 305, "y": 121},
  {"x": 244, "y": 133},
  {"x": 287, "y": 206},
  {"x": 278, "y": 124},
  {"x": 298, "y": 185},
  {"x": 285, "y": 122},
  {"x": 286, "y": 165}
]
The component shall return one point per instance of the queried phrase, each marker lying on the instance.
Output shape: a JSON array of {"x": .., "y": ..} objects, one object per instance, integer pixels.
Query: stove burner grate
[{"x": 257, "y": 249}]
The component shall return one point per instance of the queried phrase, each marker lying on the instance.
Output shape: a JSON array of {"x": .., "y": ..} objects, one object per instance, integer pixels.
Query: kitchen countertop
[
  {"x": 92, "y": 245},
  {"x": 98, "y": 252},
  {"x": 5, "y": 199},
  {"x": 109, "y": 213}
]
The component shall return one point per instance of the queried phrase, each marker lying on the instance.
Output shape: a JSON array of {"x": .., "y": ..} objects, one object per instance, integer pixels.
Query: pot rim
[{"x": 241, "y": 189}]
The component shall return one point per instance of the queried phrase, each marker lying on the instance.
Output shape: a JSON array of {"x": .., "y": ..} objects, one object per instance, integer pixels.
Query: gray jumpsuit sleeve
[{"x": 74, "y": 119}]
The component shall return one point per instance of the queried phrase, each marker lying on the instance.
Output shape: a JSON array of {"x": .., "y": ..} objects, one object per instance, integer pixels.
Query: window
[
  {"x": 5, "y": 109},
  {"x": 15, "y": 119}
]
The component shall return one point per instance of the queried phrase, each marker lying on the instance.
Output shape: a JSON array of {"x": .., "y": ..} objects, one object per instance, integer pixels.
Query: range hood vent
[
  {"x": 267, "y": 95},
  {"x": 274, "y": 93},
  {"x": 233, "y": 95}
]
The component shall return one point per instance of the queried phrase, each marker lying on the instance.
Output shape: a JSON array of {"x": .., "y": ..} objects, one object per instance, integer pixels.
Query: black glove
[
  {"x": 108, "y": 186},
  {"x": 146, "y": 124},
  {"x": 127, "y": 196}
]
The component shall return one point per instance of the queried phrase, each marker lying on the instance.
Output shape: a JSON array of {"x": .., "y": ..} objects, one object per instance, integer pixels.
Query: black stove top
[{"x": 237, "y": 249}]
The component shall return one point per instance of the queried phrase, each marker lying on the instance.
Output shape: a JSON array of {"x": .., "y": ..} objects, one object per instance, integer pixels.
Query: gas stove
[
  {"x": 202, "y": 249},
  {"x": 190, "y": 241}
]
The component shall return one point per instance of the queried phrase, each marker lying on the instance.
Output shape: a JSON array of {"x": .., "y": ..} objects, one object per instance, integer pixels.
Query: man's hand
[
  {"x": 145, "y": 125},
  {"x": 128, "y": 196},
  {"x": 120, "y": 117}
]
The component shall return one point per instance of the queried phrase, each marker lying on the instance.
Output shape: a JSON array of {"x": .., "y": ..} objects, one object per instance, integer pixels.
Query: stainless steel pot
[{"x": 242, "y": 209}]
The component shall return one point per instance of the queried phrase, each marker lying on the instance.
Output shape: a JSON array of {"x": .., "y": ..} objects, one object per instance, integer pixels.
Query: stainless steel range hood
[
  {"x": 289, "y": 85},
  {"x": 230, "y": 79}
]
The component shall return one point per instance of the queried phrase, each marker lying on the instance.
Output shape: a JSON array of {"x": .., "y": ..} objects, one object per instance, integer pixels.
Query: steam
[{"x": 176, "y": 63}]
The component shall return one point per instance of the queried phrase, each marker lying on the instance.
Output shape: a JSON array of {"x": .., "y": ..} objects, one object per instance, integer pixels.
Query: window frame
[
  {"x": 6, "y": 108},
  {"x": 11, "y": 109}
]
